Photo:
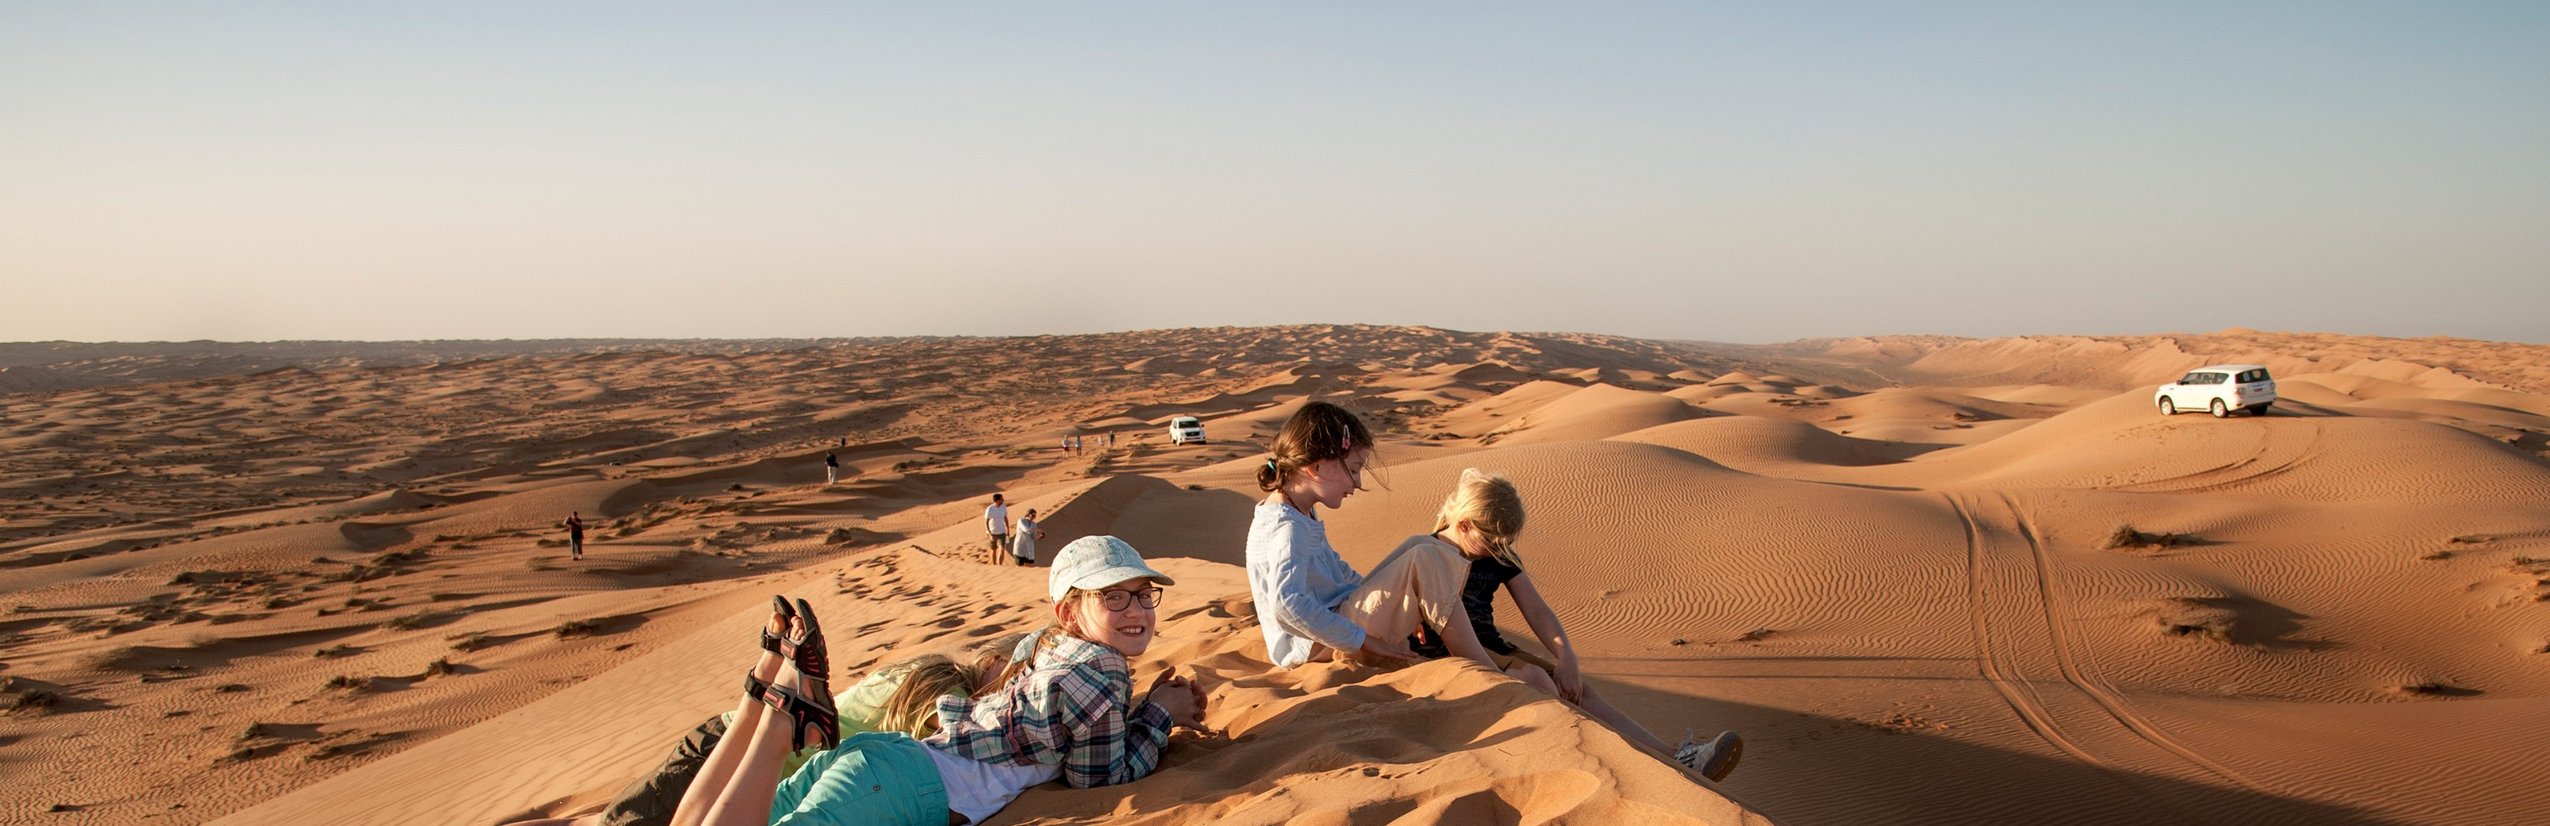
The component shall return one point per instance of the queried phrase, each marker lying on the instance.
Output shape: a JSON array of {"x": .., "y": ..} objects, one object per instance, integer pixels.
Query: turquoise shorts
[{"x": 874, "y": 777}]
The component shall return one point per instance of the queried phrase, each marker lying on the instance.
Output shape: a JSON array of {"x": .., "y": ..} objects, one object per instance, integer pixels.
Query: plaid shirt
[{"x": 1071, "y": 708}]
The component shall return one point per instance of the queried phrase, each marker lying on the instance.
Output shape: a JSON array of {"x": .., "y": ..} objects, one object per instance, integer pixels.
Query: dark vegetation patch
[
  {"x": 2127, "y": 536},
  {"x": 2433, "y": 688}
]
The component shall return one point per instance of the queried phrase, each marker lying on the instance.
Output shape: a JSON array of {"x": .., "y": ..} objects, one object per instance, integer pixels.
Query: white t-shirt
[
  {"x": 977, "y": 789},
  {"x": 996, "y": 518}
]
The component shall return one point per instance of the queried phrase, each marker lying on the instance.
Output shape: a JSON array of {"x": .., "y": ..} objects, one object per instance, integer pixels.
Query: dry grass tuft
[
  {"x": 2213, "y": 628},
  {"x": 2127, "y": 536}
]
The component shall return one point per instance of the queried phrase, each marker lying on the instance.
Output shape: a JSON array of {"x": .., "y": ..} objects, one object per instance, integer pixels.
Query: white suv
[
  {"x": 2219, "y": 389},
  {"x": 1184, "y": 429}
]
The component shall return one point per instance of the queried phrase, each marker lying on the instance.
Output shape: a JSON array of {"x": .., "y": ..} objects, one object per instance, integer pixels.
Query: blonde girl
[
  {"x": 1310, "y": 603},
  {"x": 1480, "y": 521}
]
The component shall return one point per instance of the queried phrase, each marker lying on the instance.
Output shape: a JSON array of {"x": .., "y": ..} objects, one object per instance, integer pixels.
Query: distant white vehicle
[
  {"x": 2219, "y": 389},
  {"x": 1184, "y": 429}
]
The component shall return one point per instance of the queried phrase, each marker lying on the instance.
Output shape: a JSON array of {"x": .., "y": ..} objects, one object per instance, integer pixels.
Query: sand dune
[{"x": 1931, "y": 579}]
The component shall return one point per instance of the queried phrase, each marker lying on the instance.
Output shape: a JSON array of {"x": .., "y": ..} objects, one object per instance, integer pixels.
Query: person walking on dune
[
  {"x": 831, "y": 468},
  {"x": 575, "y": 534},
  {"x": 996, "y": 520}
]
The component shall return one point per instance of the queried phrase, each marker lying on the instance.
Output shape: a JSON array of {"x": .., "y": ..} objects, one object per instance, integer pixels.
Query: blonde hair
[
  {"x": 913, "y": 708},
  {"x": 1489, "y": 502},
  {"x": 995, "y": 652},
  {"x": 1045, "y": 641}
]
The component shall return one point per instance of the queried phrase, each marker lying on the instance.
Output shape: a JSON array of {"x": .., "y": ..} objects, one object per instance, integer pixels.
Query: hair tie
[{"x": 1270, "y": 465}]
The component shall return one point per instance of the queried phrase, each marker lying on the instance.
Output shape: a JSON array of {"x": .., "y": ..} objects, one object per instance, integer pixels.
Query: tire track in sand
[
  {"x": 2023, "y": 653},
  {"x": 2279, "y": 451}
]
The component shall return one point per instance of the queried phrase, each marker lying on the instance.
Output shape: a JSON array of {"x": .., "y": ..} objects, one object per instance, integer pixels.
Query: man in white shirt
[{"x": 996, "y": 520}]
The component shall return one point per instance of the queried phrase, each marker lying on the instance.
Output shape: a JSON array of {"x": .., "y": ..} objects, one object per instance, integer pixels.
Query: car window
[
  {"x": 2247, "y": 376},
  {"x": 2192, "y": 378}
]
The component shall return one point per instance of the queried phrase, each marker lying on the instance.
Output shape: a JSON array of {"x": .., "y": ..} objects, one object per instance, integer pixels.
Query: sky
[{"x": 1741, "y": 172}]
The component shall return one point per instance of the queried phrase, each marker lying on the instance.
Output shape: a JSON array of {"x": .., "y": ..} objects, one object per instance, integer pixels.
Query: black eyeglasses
[{"x": 1118, "y": 600}]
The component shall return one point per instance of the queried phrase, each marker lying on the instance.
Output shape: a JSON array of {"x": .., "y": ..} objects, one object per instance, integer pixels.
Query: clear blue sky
[{"x": 1724, "y": 171}]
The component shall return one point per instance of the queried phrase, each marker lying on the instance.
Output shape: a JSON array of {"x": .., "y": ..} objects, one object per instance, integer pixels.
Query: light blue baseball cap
[{"x": 1093, "y": 562}]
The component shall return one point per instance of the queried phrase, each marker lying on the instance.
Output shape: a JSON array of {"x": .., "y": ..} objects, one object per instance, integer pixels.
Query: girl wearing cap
[
  {"x": 1480, "y": 521},
  {"x": 1310, "y": 603},
  {"x": 1063, "y": 709}
]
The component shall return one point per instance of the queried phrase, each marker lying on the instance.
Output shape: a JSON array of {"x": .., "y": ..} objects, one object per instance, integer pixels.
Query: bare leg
[
  {"x": 746, "y": 800},
  {"x": 1593, "y": 703},
  {"x": 1534, "y": 676},
  {"x": 730, "y": 750}
]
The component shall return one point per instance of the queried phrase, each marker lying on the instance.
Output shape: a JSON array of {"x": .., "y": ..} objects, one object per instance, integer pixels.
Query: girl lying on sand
[
  {"x": 1480, "y": 521},
  {"x": 1063, "y": 709},
  {"x": 901, "y": 696}
]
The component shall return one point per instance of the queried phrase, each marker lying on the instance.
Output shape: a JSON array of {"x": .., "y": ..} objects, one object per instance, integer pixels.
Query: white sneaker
[{"x": 1713, "y": 759}]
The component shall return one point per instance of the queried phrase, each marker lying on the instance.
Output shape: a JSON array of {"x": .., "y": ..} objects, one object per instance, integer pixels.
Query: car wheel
[
  {"x": 2220, "y": 410},
  {"x": 2167, "y": 408}
]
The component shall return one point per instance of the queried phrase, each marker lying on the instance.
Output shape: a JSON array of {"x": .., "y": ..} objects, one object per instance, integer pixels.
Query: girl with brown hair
[{"x": 1310, "y": 603}]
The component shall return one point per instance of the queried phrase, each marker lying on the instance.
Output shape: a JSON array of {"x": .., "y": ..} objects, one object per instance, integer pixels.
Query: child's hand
[
  {"x": 1180, "y": 697},
  {"x": 1378, "y": 651}
]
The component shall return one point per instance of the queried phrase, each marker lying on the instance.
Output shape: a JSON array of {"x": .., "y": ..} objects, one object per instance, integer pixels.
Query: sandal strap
[
  {"x": 825, "y": 719},
  {"x": 771, "y": 642},
  {"x": 807, "y": 652}
]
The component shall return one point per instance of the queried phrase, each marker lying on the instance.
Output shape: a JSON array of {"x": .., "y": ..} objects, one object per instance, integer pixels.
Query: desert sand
[{"x": 1931, "y": 580}]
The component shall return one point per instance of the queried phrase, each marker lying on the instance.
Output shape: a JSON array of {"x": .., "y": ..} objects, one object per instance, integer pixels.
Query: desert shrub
[
  {"x": 2216, "y": 629},
  {"x": 2127, "y": 536}
]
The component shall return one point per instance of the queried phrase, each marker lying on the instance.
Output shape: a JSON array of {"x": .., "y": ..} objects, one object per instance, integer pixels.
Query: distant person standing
[
  {"x": 575, "y": 534},
  {"x": 831, "y": 468},
  {"x": 996, "y": 520},
  {"x": 1022, "y": 542}
]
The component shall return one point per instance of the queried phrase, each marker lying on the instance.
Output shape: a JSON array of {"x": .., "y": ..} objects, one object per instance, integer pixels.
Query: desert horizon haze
[
  {"x": 1930, "y": 580},
  {"x": 1740, "y": 172}
]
